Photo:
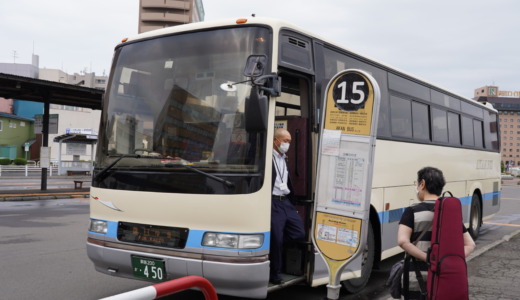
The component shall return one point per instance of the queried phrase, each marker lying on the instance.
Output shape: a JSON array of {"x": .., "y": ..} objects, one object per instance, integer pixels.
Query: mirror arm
[{"x": 275, "y": 84}]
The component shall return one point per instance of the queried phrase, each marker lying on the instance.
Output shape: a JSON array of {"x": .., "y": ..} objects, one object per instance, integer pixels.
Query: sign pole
[{"x": 345, "y": 168}]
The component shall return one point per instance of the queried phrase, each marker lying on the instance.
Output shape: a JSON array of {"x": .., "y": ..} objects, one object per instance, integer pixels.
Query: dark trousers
[{"x": 286, "y": 225}]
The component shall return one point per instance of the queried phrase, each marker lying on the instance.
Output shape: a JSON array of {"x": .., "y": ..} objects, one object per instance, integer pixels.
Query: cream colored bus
[{"x": 182, "y": 183}]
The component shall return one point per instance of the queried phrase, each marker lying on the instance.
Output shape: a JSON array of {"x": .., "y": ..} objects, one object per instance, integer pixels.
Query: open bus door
[{"x": 292, "y": 113}]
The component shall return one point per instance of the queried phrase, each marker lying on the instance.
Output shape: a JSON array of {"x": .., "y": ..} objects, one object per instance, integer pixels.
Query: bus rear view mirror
[
  {"x": 255, "y": 111},
  {"x": 255, "y": 65}
]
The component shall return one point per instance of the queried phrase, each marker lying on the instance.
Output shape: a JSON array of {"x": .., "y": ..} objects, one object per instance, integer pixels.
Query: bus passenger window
[
  {"x": 468, "y": 138},
  {"x": 401, "y": 115},
  {"x": 421, "y": 121},
  {"x": 439, "y": 125}
]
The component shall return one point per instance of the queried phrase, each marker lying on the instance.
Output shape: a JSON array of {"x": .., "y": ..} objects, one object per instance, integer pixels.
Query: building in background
[
  {"x": 26, "y": 70},
  {"x": 67, "y": 118},
  {"x": 85, "y": 79},
  {"x": 156, "y": 14},
  {"x": 26, "y": 109},
  {"x": 16, "y": 137},
  {"x": 508, "y": 105}
]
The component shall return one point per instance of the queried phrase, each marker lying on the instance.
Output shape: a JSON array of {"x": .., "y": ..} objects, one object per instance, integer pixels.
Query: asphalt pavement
[{"x": 492, "y": 270}]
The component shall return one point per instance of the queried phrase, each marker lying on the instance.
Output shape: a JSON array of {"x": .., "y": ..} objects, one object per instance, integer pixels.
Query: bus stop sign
[{"x": 345, "y": 167}]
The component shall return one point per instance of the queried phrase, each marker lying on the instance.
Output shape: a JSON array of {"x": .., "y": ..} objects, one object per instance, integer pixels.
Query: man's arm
[
  {"x": 403, "y": 240},
  {"x": 469, "y": 244}
]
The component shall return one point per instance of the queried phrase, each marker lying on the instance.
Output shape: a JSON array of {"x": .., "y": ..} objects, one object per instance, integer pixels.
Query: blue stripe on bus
[
  {"x": 394, "y": 215},
  {"x": 390, "y": 215},
  {"x": 491, "y": 196},
  {"x": 194, "y": 237}
]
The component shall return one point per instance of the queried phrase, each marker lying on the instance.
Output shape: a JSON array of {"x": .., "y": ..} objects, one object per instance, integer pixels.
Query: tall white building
[{"x": 156, "y": 14}]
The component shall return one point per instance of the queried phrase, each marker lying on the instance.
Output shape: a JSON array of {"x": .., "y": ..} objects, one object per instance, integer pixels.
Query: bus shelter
[
  {"x": 76, "y": 166},
  {"x": 47, "y": 92}
]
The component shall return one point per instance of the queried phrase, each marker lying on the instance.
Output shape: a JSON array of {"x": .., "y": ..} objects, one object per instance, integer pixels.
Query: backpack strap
[
  {"x": 408, "y": 258},
  {"x": 421, "y": 235},
  {"x": 420, "y": 279},
  {"x": 418, "y": 275},
  {"x": 442, "y": 196}
]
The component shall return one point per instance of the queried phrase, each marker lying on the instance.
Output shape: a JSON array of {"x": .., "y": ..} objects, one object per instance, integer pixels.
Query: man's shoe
[{"x": 275, "y": 280}]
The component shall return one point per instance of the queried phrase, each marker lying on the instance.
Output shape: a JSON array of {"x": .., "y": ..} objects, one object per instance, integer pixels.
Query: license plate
[{"x": 149, "y": 268}]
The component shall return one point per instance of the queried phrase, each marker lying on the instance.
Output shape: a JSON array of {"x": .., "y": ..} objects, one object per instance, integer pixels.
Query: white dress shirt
[{"x": 282, "y": 174}]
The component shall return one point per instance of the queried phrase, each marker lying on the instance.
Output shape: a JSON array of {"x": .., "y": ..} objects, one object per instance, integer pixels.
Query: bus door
[{"x": 292, "y": 113}]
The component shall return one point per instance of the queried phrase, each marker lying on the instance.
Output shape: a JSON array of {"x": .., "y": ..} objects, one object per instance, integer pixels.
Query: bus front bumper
[{"x": 235, "y": 276}]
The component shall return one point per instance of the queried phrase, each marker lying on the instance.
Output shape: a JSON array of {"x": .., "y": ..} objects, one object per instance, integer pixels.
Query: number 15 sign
[
  {"x": 349, "y": 102},
  {"x": 345, "y": 168}
]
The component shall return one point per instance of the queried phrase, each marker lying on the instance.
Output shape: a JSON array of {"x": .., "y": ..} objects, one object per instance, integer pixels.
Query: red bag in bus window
[{"x": 447, "y": 273}]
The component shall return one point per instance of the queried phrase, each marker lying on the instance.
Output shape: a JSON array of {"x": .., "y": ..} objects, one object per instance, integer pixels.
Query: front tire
[
  {"x": 475, "y": 217},
  {"x": 355, "y": 285}
]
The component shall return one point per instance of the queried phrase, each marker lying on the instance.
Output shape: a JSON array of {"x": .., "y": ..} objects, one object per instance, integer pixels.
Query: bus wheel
[
  {"x": 357, "y": 284},
  {"x": 475, "y": 217}
]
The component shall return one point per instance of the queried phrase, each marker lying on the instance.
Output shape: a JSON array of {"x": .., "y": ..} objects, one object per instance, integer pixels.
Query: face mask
[{"x": 284, "y": 147}]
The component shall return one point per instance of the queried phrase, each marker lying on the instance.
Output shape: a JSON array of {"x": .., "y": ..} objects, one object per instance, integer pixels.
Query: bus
[{"x": 183, "y": 174}]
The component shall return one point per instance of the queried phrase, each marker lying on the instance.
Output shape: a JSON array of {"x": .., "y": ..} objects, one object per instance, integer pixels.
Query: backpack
[
  {"x": 394, "y": 281},
  {"x": 447, "y": 271}
]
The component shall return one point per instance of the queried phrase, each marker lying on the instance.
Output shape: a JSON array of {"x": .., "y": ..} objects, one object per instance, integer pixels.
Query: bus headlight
[
  {"x": 236, "y": 241},
  {"x": 98, "y": 226}
]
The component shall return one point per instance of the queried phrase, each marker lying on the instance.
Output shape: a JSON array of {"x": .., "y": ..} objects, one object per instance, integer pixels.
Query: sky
[{"x": 459, "y": 45}]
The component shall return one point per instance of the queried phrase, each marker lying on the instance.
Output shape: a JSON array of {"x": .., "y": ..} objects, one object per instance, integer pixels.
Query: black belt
[{"x": 279, "y": 198}]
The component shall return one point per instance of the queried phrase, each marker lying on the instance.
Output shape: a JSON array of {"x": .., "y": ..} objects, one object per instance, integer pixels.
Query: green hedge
[
  {"x": 5, "y": 161},
  {"x": 20, "y": 161}
]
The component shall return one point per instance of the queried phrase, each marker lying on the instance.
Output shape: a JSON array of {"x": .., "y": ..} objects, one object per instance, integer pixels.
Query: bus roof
[{"x": 277, "y": 25}]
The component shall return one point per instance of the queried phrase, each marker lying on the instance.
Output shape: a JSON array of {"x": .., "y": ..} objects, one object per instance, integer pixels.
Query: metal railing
[
  {"x": 13, "y": 170},
  {"x": 168, "y": 288}
]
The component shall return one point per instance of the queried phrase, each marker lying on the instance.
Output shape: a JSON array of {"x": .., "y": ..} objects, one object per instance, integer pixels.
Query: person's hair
[
  {"x": 279, "y": 132},
  {"x": 433, "y": 180}
]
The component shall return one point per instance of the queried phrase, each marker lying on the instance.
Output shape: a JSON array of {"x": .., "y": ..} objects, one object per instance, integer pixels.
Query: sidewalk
[
  {"x": 513, "y": 181},
  {"x": 38, "y": 194},
  {"x": 493, "y": 270}
]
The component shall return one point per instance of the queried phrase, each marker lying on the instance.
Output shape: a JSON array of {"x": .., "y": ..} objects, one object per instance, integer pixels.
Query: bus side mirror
[
  {"x": 255, "y": 111},
  {"x": 255, "y": 68}
]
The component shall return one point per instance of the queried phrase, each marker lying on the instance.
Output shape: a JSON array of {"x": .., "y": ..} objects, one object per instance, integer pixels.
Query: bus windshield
[{"x": 165, "y": 109}]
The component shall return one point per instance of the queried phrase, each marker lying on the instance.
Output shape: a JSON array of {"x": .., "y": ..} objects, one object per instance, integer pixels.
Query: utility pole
[{"x": 14, "y": 56}]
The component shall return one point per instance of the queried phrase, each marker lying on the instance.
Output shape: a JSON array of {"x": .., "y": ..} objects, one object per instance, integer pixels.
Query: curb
[
  {"x": 5, "y": 198},
  {"x": 486, "y": 248}
]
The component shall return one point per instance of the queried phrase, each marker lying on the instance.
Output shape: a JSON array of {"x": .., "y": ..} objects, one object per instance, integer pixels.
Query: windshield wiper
[
  {"x": 101, "y": 175},
  {"x": 227, "y": 183}
]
